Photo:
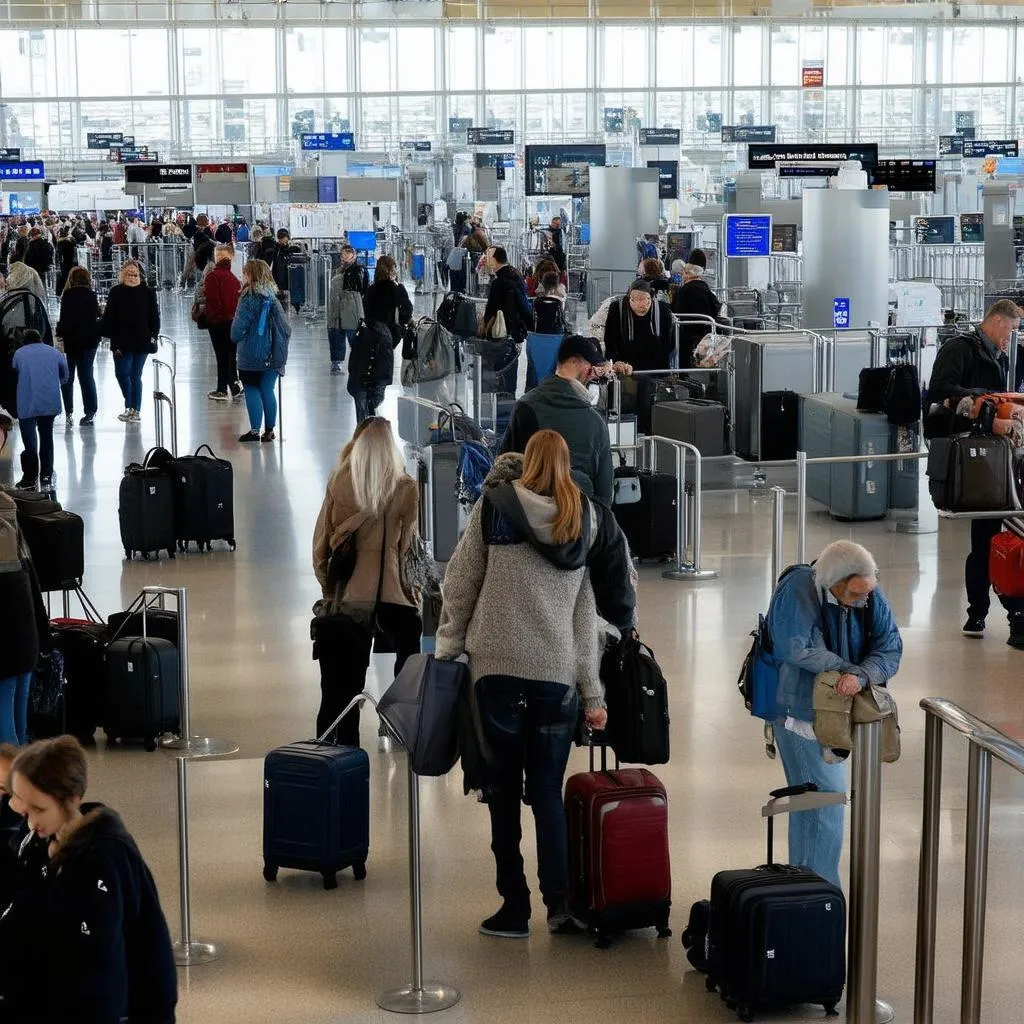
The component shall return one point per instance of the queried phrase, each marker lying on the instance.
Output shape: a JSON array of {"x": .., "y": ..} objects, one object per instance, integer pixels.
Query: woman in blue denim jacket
[
  {"x": 829, "y": 617},
  {"x": 261, "y": 332}
]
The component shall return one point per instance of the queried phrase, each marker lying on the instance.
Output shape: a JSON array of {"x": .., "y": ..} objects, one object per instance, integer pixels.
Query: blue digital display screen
[
  {"x": 328, "y": 140},
  {"x": 747, "y": 235}
]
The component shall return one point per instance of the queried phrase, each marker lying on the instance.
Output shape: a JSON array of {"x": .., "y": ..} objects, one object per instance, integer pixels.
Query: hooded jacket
[
  {"x": 508, "y": 294},
  {"x": 564, "y": 406},
  {"x": 811, "y": 633},
  {"x": 258, "y": 352},
  {"x": 518, "y": 604},
  {"x": 694, "y": 298},
  {"x": 88, "y": 942},
  {"x": 41, "y": 371}
]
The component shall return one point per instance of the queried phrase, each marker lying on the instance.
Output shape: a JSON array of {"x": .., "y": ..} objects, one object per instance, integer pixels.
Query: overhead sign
[
  {"x": 614, "y": 119},
  {"x": 134, "y": 156},
  {"x": 222, "y": 172},
  {"x": 963, "y": 119},
  {"x": 668, "y": 178},
  {"x": 28, "y": 170},
  {"x": 490, "y": 137},
  {"x": 327, "y": 141},
  {"x": 812, "y": 74},
  {"x": 159, "y": 174},
  {"x": 761, "y": 157},
  {"x": 659, "y": 136},
  {"x": 501, "y": 160},
  {"x": 10, "y": 155},
  {"x": 103, "y": 140},
  {"x": 980, "y": 148},
  {"x": 748, "y": 133},
  {"x": 417, "y": 146},
  {"x": 747, "y": 235},
  {"x": 714, "y": 122},
  {"x": 840, "y": 313},
  {"x": 807, "y": 171},
  {"x": 951, "y": 145},
  {"x": 457, "y": 125}
]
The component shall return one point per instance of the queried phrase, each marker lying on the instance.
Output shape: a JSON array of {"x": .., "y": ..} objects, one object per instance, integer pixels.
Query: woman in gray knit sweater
[{"x": 522, "y": 593}]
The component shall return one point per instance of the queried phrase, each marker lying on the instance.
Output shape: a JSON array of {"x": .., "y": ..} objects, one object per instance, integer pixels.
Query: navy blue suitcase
[{"x": 316, "y": 810}]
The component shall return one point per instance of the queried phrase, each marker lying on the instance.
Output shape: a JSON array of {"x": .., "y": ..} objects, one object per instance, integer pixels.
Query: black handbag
[{"x": 343, "y": 561}]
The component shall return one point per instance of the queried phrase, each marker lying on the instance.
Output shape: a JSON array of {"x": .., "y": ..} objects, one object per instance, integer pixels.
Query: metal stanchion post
[
  {"x": 778, "y": 526},
  {"x": 280, "y": 409},
  {"x": 979, "y": 802},
  {"x": 188, "y": 952},
  {"x": 417, "y": 997},
  {"x": 801, "y": 507},
  {"x": 617, "y": 406},
  {"x": 478, "y": 385},
  {"x": 928, "y": 875},
  {"x": 862, "y": 1006}
]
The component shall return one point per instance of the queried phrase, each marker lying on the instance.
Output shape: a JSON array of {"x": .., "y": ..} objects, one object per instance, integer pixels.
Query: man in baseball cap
[{"x": 562, "y": 403}]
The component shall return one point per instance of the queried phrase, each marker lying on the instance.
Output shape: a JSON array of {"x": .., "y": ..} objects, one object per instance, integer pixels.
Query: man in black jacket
[
  {"x": 971, "y": 364},
  {"x": 39, "y": 254},
  {"x": 507, "y": 294},
  {"x": 694, "y": 298}
]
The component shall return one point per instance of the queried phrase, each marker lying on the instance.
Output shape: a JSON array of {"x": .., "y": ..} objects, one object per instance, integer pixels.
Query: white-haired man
[
  {"x": 694, "y": 298},
  {"x": 829, "y": 617}
]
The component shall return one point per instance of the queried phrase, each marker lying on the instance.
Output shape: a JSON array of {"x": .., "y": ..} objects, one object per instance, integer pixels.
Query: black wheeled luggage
[
  {"x": 83, "y": 644},
  {"x": 780, "y": 425},
  {"x": 146, "y": 506},
  {"x": 698, "y": 421},
  {"x": 161, "y": 623},
  {"x": 141, "y": 690},
  {"x": 56, "y": 541},
  {"x": 650, "y": 523},
  {"x": 203, "y": 499},
  {"x": 972, "y": 473}
]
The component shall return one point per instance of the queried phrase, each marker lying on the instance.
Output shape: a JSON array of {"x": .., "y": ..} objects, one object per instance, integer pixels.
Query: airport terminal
[{"x": 511, "y": 511}]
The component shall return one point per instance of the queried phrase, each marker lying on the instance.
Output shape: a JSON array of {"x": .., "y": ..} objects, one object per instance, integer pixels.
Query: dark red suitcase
[{"x": 619, "y": 872}]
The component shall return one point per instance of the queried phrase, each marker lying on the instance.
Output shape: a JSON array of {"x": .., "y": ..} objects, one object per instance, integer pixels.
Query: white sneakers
[{"x": 129, "y": 416}]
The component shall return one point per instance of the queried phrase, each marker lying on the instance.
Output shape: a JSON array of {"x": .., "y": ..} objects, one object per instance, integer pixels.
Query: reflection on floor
[{"x": 298, "y": 954}]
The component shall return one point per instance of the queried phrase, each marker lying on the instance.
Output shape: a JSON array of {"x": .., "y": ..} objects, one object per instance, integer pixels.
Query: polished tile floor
[{"x": 294, "y": 953}]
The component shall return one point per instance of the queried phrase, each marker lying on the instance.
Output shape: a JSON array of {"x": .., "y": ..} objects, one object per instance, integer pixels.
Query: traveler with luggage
[
  {"x": 694, "y": 298},
  {"x": 260, "y": 331},
  {"x": 278, "y": 256},
  {"x": 826, "y": 617},
  {"x": 519, "y": 602},
  {"x": 131, "y": 320},
  {"x": 41, "y": 372},
  {"x": 220, "y": 292},
  {"x": 549, "y": 305},
  {"x": 507, "y": 295},
  {"x": 79, "y": 330},
  {"x": 22, "y": 277},
  {"x": 371, "y": 504},
  {"x": 974, "y": 363},
  {"x": 371, "y": 367},
  {"x": 562, "y": 403},
  {"x": 86, "y": 939},
  {"x": 345, "y": 306}
]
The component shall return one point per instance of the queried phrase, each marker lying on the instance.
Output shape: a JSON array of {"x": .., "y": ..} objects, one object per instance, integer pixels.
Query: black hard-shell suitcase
[
  {"x": 650, "y": 523},
  {"x": 146, "y": 506},
  {"x": 56, "y": 541},
  {"x": 141, "y": 690},
  {"x": 316, "y": 809},
  {"x": 203, "y": 499},
  {"x": 83, "y": 644},
  {"x": 699, "y": 421},
  {"x": 780, "y": 425}
]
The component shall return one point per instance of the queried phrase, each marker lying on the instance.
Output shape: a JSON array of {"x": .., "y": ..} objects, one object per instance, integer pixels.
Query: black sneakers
[
  {"x": 974, "y": 627},
  {"x": 561, "y": 922},
  {"x": 507, "y": 923},
  {"x": 1016, "y": 632}
]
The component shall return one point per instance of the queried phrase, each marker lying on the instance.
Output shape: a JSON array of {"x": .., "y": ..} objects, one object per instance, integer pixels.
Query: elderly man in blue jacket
[{"x": 826, "y": 617}]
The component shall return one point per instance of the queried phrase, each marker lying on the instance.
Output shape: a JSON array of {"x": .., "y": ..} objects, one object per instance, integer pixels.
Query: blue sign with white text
[
  {"x": 747, "y": 235},
  {"x": 840, "y": 313},
  {"x": 29, "y": 170},
  {"x": 328, "y": 140}
]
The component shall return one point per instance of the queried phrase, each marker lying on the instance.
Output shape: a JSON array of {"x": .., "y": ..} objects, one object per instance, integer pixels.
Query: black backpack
[{"x": 550, "y": 314}]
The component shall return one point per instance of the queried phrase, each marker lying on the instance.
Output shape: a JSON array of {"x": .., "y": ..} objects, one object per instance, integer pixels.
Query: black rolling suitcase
[
  {"x": 650, "y": 523},
  {"x": 140, "y": 690},
  {"x": 776, "y": 933},
  {"x": 972, "y": 473},
  {"x": 56, "y": 541},
  {"x": 203, "y": 499},
  {"x": 780, "y": 425},
  {"x": 316, "y": 809},
  {"x": 146, "y": 506},
  {"x": 83, "y": 644},
  {"x": 160, "y": 623}
]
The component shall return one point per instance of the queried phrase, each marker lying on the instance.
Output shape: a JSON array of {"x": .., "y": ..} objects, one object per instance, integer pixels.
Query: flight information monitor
[
  {"x": 561, "y": 170},
  {"x": 904, "y": 175}
]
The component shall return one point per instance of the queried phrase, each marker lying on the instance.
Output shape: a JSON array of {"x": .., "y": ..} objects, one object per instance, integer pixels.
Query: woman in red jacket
[{"x": 221, "y": 289}]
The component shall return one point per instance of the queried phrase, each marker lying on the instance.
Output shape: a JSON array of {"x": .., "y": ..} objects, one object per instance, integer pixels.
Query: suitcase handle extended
[
  {"x": 358, "y": 699},
  {"x": 601, "y": 737},
  {"x": 792, "y": 799}
]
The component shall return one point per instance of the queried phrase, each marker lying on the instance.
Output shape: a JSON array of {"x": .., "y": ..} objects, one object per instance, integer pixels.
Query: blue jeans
[
  {"x": 815, "y": 837},
  {"x": 128, "y": 369},
  {"x": 529, "y": 726},
  {"x": 37, "y": 437},
  {"x": 261, "y": 401},
  {"x": 14, "y": 709},
  {"x": 338, "y": 339},
  {"x": 82, "y": 363}
]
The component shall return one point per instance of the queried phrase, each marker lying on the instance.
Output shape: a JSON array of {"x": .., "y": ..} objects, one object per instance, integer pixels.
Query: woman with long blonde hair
[
  {"x": 537, "y": 562},
  {"x": 373, "y": 505}
]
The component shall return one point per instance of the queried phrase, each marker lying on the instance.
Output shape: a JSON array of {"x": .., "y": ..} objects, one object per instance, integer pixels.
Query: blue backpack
[{"x": 474, "y": 464}]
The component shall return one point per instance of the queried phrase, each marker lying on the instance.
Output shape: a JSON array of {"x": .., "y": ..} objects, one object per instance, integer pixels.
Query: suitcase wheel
[
  {"x": 745, "y": 1014},
  {"x": 709, "y": 984},
  {"x": 127, "y": 554},
  {"x": 603, "y": 941},
  {"x": 359, "y": 870},
  {"x": 149, "y": 744},
  {"x": 269, "y": 871},
  {"x": 330, "y": 880},
  {"x": 232, "y": 543},
  {"x": 664, "y": 932},
  {"x": 830, "y": 1010}
]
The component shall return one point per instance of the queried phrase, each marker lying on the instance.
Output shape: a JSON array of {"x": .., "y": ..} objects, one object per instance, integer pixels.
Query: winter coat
[
  {"x": 564, "y": 406},
  {"x": 279, "y": 256},
  {"x": 223, "y": 234},
  {"x": 645, "y": 342},
  {"x": 382, "y": 300},
  {"x": 79, "y": 323},
  {"x": 339, "y": 516},
  {"x": 692, "y": 299},
  {"x": 41, "y": 370},
  {"x": 131, "y": 319},
  {"x": 345, "y": 303},
  {"x": 508, "y": 294},
  {"x": 260, "y": 351},
  {"x": 22, "y": 613},
  {"x": 220, "y": 291},
  {"x": 39, "y": 256},
  {"x": 812, "y": 633},
  {"x": 506, "y": 569},
  {"x": 88, "y": 942}
]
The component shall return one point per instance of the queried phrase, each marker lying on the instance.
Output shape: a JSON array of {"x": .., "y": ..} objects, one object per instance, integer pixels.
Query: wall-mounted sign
[
  {"x": 668, "y": 178},
  {"x": 10, "y": 155},
  {"x": 980, "y": 148},
  {"x": 417, "y": 146},
  {"x": 659, "y": 136},
  {"x": 159, "y": 174},
  {"x": 764, "y": 156},
  {"x": 327, "y": 141},
  {"x": 840, "y": 313},
  {"x": 748, "y": 133},
  {"x": 28, "y": 170},
  {"x": 783, "y": 238},
  {"x": 747, "y": 235},
  {"x": 490, "y": 137},
  {"x": 103, "y": 140},
  {"x": 812, "y": 74}
]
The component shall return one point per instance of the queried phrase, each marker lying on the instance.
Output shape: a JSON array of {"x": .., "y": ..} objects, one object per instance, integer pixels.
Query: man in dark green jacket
[{"x": 562, "y": 403}]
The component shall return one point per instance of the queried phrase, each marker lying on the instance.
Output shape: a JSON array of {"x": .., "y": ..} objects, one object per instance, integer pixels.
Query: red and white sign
[{"x": 222, "y": 172}]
